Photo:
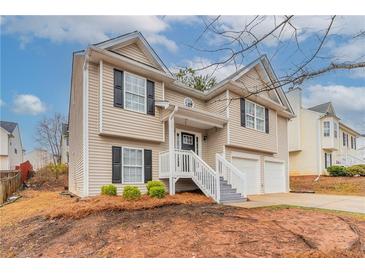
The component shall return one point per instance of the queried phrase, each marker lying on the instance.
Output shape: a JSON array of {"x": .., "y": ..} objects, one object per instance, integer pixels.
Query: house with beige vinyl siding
[
  {"x": 319, "y": 139},
  {"x": 131, "y": 121}
]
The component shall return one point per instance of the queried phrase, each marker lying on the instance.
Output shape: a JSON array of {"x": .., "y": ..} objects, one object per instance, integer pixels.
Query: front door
[{"x": 187, "y": 141}]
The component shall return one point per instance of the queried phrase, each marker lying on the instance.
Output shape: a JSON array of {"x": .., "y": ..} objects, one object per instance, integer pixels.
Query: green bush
[
  {"x": 151, "y": 184},
  {"x": 157, "y": 192},
  {"x": 356, "y": 170},
  {"x": 131, "y": 193},
  {"x": 109, "y": 190},
  {"x": 337, "y": 171}
]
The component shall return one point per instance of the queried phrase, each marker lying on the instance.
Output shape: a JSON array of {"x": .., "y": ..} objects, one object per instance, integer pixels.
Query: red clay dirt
[{"x": 179, "y": 226}]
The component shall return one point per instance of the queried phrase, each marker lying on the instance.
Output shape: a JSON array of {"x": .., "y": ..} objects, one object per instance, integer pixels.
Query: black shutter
[
  {"x": 267, "y": 120},
  {"x": 116, "y": 165},
  {"x": 243, "y": 112},
  {"x": 147, "y": 165},
  {"x": 150, "y": 97},
  {"x": 118, "y": 88}
]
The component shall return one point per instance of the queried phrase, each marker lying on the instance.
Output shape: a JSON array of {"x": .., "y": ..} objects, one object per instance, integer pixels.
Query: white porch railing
[
  {"x": 164, "y": 164},
  {"x": 187, "y": 164},
  {"x": 231, "y": 174},
  {"x": 348, "y": 160}
]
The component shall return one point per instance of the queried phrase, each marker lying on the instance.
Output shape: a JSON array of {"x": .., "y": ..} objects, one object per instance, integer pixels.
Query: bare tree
[
  {"x": 250, "y": 38},
  {"x": 48, "y": 135}
]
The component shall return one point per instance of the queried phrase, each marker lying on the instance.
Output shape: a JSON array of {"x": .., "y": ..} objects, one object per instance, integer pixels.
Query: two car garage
[{"x": 263, "y": 174}]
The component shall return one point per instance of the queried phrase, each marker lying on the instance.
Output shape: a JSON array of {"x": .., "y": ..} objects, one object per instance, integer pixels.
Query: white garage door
[
  {"x": 251, "y": 167},
  {"x": 274, "y": 177}
]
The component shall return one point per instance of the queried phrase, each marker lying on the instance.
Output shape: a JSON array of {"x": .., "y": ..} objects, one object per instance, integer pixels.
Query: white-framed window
[
  {"x": 255, "y": 116},
  {"x": 188, "y": 102},
  {"x": 132, "y": 165},
  {"x": 326, "y": 128},
  {"x": 335, "y": 129},
  {"x": 327, "y": 160},
  {"x": 135, "y": 92}
]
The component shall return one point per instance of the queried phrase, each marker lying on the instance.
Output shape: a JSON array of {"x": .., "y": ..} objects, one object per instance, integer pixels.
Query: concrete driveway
[{"x": 334, "y": 202}]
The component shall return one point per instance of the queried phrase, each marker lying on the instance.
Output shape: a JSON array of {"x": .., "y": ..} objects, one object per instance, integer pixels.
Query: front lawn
[
  {"x": 46, "y": 224},
  {"x": 329, "y": 185}
]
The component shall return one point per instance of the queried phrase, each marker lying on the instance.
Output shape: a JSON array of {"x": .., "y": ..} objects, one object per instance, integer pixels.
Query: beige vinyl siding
[
  {"x": 255, "y": 80},
  {"x": 134, "y": 51},
  {"x": 305, "y": 161},
  {"x": 216, "y": 140},
  {"x": 282, "y": 149},
  {"x": 251, "y": 138},
  {"x": 177, "y": 99},
  {"x": 75, "y": 177},
  {"x": 100, "y": 147},
  {"x": 126, "y": 123}
]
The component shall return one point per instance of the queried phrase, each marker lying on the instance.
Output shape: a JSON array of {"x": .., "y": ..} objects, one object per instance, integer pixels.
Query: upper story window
[
  {"x": 15, "y": 151},
  {"x": 188, "y": 102},
  {"x": 326, "y": 128},
  {"x": 335, "y": 129},
  {"x": 135, "y": 93},
  {"x": 255, "y": 116}
]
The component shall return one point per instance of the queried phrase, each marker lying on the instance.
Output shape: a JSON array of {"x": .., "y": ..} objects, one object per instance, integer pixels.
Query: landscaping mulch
[{"x": 185, "y": 225}]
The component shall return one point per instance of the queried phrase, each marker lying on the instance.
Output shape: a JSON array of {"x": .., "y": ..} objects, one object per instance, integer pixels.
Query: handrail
[{"x": 230, "y": 173}]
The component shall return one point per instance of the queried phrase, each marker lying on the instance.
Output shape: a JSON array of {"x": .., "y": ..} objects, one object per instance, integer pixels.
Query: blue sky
[{"x": 36, "y": 55}]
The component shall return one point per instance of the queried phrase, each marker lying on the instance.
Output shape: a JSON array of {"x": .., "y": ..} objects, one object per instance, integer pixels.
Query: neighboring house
[
  {"x": 38, "y": 158},
  {"x": 64, "y": 144},
  {"x": 361, "y": 146},
  {"x": 11, "y": 150},
  {"x": 318, "y": 139},
  {"x": 131, "y": 121}
]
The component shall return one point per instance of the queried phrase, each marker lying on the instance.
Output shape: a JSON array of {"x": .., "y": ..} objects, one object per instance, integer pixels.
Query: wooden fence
[{"x": 10, "y": 182}]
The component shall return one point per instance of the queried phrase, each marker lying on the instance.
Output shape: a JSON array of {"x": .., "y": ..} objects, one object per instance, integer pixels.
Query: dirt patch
[
  {"x": 182, "y": 226},
  {"x": 97, "y": 204},
  {"x": 329, "y": 185}
]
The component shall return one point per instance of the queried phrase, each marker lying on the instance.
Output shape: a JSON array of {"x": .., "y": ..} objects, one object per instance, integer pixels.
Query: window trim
[
  {"x": 192, "y": 102},
  {"x": 335, "y": 129},
  {"x": 122, "y": 162},
  {"x": 329, "y": 129},
  {"x": 124, "y": 92},
  {"x": 255, "y": 116}
]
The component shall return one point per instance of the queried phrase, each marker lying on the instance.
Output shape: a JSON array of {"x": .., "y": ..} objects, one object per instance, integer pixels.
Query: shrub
[
  {"x": 131, "y": 193},
  {"x": 109, "y": 190},
  {"x": 356, "y": 170},
  {"x": 337, "y": 171},
  {"x": 157, "y": 192},
  {"x": 151, "y": 184}
]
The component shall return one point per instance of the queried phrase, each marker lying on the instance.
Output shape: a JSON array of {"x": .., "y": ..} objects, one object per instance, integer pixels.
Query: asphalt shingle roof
[
  {"x": 322, "y": 108},
  {"x": 8, "y": 126}
]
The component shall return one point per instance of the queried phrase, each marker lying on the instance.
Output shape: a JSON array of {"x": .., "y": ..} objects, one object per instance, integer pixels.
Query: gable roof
[
  {"x": 325, "y": 108},
  {"x": 129, "y": 38},
  {"x": 8, "y": 126}
]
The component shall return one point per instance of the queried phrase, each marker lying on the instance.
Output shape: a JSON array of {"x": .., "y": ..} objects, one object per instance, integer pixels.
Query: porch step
[{"x": 229, "y": 194}]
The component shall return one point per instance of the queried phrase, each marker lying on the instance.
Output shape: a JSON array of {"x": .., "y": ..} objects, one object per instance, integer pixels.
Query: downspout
[
  {"x": 85, "y": 124},
  {"x": 319, "y": 156},
  {"x": 172, "y": 151}
]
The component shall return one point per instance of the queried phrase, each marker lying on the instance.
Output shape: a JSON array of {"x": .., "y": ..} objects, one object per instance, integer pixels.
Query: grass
[
  {"x": 358, "y": 216},
  {"x": 329, "y": 185}
]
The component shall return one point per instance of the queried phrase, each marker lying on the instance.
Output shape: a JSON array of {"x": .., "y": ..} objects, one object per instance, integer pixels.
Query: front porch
[{"x": 188, "y": 154}]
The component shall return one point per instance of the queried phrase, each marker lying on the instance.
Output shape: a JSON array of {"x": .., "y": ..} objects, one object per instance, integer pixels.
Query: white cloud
[
  {"x": 2, "y": 103},
  {"x": 86, "y": 29},
  {"x": 351, "y": 51},
  {"x": 349, "y": 102},
  {"x": 28, "y": 104},
  {"x": 306, "y": 26}
]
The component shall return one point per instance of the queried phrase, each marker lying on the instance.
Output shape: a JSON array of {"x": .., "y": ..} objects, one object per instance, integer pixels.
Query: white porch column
[{"x": 172, "y": 153}]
